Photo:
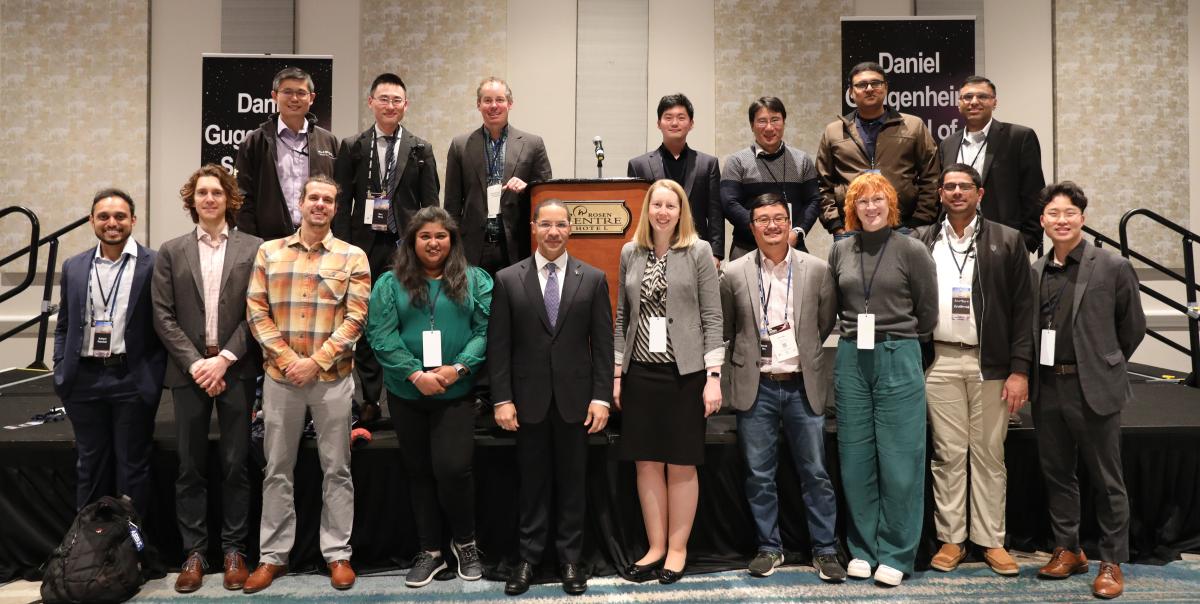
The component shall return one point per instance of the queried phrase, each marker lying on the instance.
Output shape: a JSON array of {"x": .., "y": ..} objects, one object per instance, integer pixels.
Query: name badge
[
  {"x": 102, "y": 338},
  {"x": 378, "y": 216},
  {"x": 431, "y": 348},
  {"x": 866, "y": 331},
  {"x": 783, "y": 342},
  {"x": 960, "y": 310},
  {"x": 658, "y": 334},
  {"x": 493, "y": 200},
  {"x": 1047, "y": 353}
]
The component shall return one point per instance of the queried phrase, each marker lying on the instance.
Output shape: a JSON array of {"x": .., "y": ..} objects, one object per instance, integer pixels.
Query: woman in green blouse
[{"x": 428, "y": 325}]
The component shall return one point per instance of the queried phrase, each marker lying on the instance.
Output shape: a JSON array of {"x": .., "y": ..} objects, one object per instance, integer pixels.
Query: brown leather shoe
[
  {"x": 1064, "y": 564},
  {"x": 948, "y": 557},
  {"x": 341, "y": 576},
  {"x": 191, "y": 576},
  {"x": 1109, "y": 583},
  {"x": 235, "y": 570},
  {"x": 1000, "y": 562},
  {"x": 262, "y": 577}
]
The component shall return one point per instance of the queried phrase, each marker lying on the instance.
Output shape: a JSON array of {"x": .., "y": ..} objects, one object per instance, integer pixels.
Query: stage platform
[{"x": 1160, "y": 447}]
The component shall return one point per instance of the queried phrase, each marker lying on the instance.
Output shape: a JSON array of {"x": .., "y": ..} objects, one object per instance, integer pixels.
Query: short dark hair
[
  {"x": 233, "y": 194},
  {"x": 676, "y": 100},
  {"x": 770, "y": 103},
  {"x": 546, "y": 203},
  {"x": 112, "y": 192},
  {"x": 866, "y": 66},
  {"x": 292, "y": 73},
  {"x": 1066, "y": 188},
  {"x": 965, "y": 169},
  {"x": 767, "y": 200},
  {"x": 978, "y": 79},
  {"x": 387, "y": 78}
]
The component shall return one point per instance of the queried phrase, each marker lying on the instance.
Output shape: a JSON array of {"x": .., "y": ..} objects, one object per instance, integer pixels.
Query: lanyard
[
  {"x": 494, "y": 151},
  {"x": 767, "y": 167},
  {"x": 966, "y": 255},
  {"x": 387, "y": 170},
  {"x": 863, "y": 271},
  {"x": 112, "y": 293},
  {"x": 962, "y": 157},
  {"x": 765, "y": 298},
  {"x": 433, "y": 306},
  {"x": 302, "y": 150},
  {"x": 1053, "y": 308}
]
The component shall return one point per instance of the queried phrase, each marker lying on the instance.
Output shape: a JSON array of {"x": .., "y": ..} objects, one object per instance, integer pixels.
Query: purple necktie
[{"x": 551, "y": 293}]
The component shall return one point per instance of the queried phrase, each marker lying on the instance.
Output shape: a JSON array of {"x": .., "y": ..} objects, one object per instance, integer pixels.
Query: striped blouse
[{"x": 653, "y": 303}]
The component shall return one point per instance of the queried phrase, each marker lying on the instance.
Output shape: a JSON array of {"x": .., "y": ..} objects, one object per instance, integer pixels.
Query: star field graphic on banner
[
  {"x": 237, "y": 98},
  {"x": 924, "y": 59}
]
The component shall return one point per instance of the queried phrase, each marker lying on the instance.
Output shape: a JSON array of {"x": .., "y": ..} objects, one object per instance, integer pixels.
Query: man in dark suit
[
  {"x": 550, "y": 354},
  {"x": 385, "y": 175},
  {"x": 275, "y": 160},
  {"x": 1091, "y": 321},
  {"x": 1008, "y": 156},
  {"x": 696, "y": 172},
  {"x": 487, "y": 173},
  {"x": 108, "y": 362},
  {"x": 199, "y": 294}
]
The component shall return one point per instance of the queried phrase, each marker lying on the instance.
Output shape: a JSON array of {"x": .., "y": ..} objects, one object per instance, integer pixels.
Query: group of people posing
[{"x": 315, "y": 261}]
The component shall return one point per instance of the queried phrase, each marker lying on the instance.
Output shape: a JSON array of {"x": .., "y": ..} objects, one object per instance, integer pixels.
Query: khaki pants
[{"x": 969, "y": 420}]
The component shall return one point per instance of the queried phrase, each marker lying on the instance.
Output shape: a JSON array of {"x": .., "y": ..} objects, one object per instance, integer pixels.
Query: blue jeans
[{"x": 758, "y": 436}]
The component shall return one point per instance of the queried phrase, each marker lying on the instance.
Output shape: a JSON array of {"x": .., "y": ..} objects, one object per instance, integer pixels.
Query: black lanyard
[
  {"x": 387, "y": 170},
  {"x": 433, "y": 304},
  {"x": 767, "y": 167},
  {"x": 765, "y": 298},
  {"x": 977, "y": 152},
  {"x": 112, "y": 293},
  {"x": 863, "y": 271},
  {"x": 966, "y": 255}
]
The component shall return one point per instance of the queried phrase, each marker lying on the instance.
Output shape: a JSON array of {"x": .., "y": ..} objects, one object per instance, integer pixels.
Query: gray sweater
[{"x": 904, "y": 293}]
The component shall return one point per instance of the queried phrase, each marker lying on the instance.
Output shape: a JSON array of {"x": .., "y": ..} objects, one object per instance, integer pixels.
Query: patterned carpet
[{"x": 972, "y": 583}]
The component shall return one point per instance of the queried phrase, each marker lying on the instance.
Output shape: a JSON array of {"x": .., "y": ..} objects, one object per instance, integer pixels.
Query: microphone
[{"x": 599, "y": 148}]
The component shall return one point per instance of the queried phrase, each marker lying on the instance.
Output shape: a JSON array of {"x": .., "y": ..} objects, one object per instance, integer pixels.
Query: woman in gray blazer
[{"x": 668, "y": 361}]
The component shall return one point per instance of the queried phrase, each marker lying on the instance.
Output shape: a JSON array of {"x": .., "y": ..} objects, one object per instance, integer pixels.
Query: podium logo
[{"x": 599, "y": 217}]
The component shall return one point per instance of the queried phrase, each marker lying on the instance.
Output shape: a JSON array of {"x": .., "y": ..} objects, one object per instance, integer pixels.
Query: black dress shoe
[
  {"x": 640, "y": 573},
  {"x": 573, "y": 580},
  {"x": 667, "y": 576},
  {"x": 519, "y": 579}
]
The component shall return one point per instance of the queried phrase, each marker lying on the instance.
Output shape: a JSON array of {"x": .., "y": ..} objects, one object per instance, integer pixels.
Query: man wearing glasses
[
  {"x": 1007, "y": 156},
  {"x": 275, "y": 160},
  {"x": 384, "y": 175},
  {"x": 769, "y": 166},
  {"x": 877, "y": 138}
]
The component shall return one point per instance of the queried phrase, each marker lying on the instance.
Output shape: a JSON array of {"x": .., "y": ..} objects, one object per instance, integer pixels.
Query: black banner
[
  {"x": 237, "y": 98},
  {"x": 925, "y": 60}
]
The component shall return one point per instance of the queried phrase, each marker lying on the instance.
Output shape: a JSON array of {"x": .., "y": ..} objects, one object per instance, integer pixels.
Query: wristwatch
[
  {"x": 714, "y": 374},
  {"x": 461, "y": 369}
]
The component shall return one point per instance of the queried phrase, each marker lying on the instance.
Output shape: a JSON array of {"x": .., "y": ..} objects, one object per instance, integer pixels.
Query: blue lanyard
[
  {"x": 112, "y": 293},
  {"x": 494, "y": 150},
  {"x": 765, "y": 297}
]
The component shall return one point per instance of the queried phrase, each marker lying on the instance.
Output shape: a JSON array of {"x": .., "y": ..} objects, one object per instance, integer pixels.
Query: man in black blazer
[
  {"x": 385, "y": 175},
  {"x": 199, "y": 294},
  {"x": 108, "y": 362},
  {"x": 1091, "y": 321},
  {"x": 550, "y": 351},
  {"x": 487, "y": 173},
  {"x": 696, "y": 172},
  {"x": 1008, "y": 156}
]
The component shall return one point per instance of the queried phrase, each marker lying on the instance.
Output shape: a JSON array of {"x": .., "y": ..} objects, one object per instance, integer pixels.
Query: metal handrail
[{"x": 31, "y": 249}]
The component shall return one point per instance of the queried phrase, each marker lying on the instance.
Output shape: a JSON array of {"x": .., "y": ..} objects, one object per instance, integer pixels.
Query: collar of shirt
[
  {"x": 667, "y": 155},
  {"x": 1075, "y": 256},
  {"x": 281, "y": 127},
  {"x": 203, "y": 236},
  {"x": 541, "y": 262},
  {"x": 980, "y": 136},
  {"x": 761, "y": 153},
  {"x": 777, "y": 268},
  {"x": 967, "y": 232},
  {"x": 130, "y": 248},
  {"x": 487, "y": 136},
  {"x": 294, "y": 240},
  {"x": 875, "y": 123},
  {"x": 379, "y": 134}
]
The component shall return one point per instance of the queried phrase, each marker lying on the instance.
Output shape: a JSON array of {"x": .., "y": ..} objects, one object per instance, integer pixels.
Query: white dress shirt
[
  {"x": 948, "y": 279},
  {"x": 118, "y": 304},
  {"x": 973, "y": 148},
  {"x": 780, "y": 307}
]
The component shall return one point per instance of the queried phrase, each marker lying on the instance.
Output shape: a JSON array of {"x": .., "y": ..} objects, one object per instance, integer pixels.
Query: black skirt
[{"x": 662, "y": 414}]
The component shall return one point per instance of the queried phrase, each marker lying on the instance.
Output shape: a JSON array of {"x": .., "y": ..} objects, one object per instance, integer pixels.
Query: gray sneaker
[
  {"x": 828, "y": 567},
  {"x": 765, "y": 563},
  {"x": 469, "y": 566},
  {"x": 425, "y": 567}
]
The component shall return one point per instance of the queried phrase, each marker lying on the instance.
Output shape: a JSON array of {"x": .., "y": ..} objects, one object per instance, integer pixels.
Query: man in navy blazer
[
  {"x": 696, "y": 172},
  {"x": 108, "y": 362}
]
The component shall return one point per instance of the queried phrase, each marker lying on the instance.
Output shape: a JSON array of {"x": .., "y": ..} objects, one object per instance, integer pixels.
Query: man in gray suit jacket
[
  {"x": 779, "y": 306},
  {"x": 1091, "y": 321},
  {"x": 696, "y": 172},
  {"x": 199, "y": 298},
  {"x": 487, "y": 173}
]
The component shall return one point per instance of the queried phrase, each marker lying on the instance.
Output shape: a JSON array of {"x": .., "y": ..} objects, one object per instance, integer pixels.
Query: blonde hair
[
  {"x": 866, "y": 184},
  {"x": 685, "y": 230}
]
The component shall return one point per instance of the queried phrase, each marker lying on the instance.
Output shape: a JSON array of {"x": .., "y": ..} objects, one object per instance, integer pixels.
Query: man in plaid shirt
[{"x": 306, "y": 306}]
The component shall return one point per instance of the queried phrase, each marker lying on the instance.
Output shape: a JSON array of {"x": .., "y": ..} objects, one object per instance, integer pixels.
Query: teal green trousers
[{"x": 881, "y": 445}]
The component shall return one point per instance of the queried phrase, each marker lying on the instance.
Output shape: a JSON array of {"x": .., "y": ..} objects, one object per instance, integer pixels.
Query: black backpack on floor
[{"x": 100, "y": 559}]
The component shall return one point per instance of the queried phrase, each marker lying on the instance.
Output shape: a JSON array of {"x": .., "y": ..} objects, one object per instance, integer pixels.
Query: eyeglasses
[
  {"x": 983, "y": 97},
  {"x": 546, "y": 225},
  {"x": 780, "y": 220},
  {"x": 869, "y": 84},
  {"x": 763, "y": 122},
  {"x": 296, "y": 93},
  {"x": 386, "y": 101},
  {"x": 965, "y": 187},
  {"x": 1068, "y": 214},
  {"x": 874, "y": 201}
]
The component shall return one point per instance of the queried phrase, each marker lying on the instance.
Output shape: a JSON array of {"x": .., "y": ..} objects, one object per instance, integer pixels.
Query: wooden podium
[{"x": 604, "y": 213}]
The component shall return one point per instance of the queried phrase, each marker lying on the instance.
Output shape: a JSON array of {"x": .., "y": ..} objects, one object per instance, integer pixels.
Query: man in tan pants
[{"x": 983, "y": 348}]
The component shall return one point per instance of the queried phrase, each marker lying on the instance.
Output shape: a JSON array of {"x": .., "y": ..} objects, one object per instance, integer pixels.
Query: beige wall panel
[
  {"x": 681, "y": 59},
  {"x": 541, "y": 71}
]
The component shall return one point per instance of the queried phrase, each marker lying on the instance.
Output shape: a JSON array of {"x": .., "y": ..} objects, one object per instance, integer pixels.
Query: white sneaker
[
  {"x": 858, "y": 569},
  {"x": 888, "y": 575}
]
